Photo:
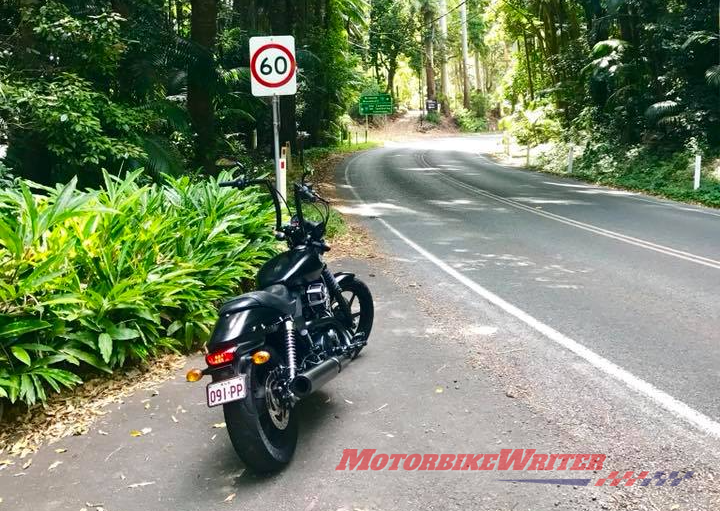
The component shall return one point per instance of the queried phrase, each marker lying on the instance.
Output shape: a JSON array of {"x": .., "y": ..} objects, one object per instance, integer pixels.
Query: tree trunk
[
  {"x": 464, "y": 42},
  {"x": 531, "y": 86},
  {"x": 201, "y": 81},
  {"x": 429, "y": 63},
  {"x": 179, "y": 16},
  {"x": 478, "y": 74},
  {"x": 245, "y": 14},
  {"x": 392, "y": 69},
  {"x": 444, "y": 77},
  {"x": 282, "y": 20}
]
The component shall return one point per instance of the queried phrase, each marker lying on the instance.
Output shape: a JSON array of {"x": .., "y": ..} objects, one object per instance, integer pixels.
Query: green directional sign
[{"x": 376, "y": 104}]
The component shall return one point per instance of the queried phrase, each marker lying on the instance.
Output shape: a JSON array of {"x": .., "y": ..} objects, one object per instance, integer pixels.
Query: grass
[{"x": 640, "y": 169}]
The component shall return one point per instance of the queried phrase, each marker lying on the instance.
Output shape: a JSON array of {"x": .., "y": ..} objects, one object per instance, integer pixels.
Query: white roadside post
[
  {"x": 571, "y": 158},
  {"x": 698, "y": 166},
  {"x": 273, "y": 73}
]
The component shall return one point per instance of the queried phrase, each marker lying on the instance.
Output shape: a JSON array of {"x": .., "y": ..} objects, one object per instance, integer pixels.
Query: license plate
[{"x": 226, "y": 391}]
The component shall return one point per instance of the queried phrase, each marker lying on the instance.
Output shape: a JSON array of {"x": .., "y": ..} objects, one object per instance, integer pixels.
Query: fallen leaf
[
  {"x": 122, "y": 477},
  {"x": 219, "y": 425},
  {"x": 213, "y": 437},
  {"x": 138, "y": 485},
  {"x": 61, "y": 450},
  {"x": 7, "y": 462},
  {"x": 174, "y": 419},
  {"x": 135, "y": 433},
  {"x": 55, "y": 465},
  {"x": 390, "y": 435},
  {"x": 229, "y": 497},
  {"x": 27, "y": 464},
  {"x": 19, "y": 474},
  {"x": 101, "y": 432},
  {"x": 146, "y": 431},
  {"x": 439, "y": 390},
  {"x": 348, "y": 401},
  {"x": 147, "y": 406},
  {"x": 155, "y": 392}
]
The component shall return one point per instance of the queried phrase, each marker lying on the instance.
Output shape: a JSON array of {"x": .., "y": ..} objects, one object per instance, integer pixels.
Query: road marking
[
  {"x": 680, "y": 254},
  {"x": 663, "y": 399}
]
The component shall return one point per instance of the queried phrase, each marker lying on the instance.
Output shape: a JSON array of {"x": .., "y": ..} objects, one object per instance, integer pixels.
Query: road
[
  {"x": 634, "y": 279},
  {"x": 513, "y": 310}
]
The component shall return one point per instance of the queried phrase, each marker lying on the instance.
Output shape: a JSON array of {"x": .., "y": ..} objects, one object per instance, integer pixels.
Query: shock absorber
[{"x": 290, "y": 346}]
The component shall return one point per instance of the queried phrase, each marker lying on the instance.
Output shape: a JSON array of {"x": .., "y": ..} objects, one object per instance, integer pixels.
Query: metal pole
[
  {"x": 571, "y": 157},
  {"x": 279, "y": 174},
  {"x": 698, "y": 166},
  {"x": 367, "y": 126}
]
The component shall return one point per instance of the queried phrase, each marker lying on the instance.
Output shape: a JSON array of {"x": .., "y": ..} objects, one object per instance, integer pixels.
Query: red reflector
[{"x": 217, "y": 358}]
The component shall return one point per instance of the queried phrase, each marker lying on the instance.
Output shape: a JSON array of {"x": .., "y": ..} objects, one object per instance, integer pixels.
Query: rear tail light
[{"x": 218, "y": 358}]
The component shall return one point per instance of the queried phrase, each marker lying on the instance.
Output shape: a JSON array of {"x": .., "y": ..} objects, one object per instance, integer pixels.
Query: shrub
[
  {"x": 100, "y": 278},
  {"x": 469, "y": 122},
  {"x": 433, "y": 117}
]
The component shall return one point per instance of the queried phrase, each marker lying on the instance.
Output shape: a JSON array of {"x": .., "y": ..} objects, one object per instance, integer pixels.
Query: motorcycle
[{"x": 272, "y": 347}]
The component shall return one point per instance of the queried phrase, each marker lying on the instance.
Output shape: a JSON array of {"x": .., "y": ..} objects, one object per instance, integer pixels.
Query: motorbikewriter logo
[{"x": 511, "y": 459}]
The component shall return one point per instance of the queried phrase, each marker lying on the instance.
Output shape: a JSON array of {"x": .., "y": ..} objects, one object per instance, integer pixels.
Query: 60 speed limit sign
[{"x": 272, "y": 66}]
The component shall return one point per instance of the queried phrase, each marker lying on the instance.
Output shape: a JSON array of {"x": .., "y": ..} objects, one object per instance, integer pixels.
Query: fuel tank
[{"x": 297, "y": 266}]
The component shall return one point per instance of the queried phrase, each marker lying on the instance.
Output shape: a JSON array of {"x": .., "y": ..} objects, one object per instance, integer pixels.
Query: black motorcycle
[{"x": 272, "y": 347}]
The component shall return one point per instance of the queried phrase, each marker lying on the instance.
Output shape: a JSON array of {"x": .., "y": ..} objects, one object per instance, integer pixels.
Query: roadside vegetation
[{"x": 100, "y": 278}]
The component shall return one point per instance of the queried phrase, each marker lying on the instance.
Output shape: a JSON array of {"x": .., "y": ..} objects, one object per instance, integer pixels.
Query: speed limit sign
[{"x": 272, "y": 66}]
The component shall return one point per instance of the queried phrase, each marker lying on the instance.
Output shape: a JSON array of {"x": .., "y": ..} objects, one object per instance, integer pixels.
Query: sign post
[{"x": 272, "y": 70}]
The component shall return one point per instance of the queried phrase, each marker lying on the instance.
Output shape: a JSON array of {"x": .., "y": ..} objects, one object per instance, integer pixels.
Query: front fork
[{"x": 336, "y": 293}]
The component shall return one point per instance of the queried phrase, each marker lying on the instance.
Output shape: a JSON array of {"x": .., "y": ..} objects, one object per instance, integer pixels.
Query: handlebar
[{"x": 301, "y": 192}]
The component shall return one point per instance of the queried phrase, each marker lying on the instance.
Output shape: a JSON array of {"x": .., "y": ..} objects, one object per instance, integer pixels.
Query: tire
[
  {"x": 362, "y": 306},
  {"x": 257, "y": 440}
]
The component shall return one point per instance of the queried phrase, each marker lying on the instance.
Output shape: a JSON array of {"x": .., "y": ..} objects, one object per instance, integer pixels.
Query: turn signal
[
  {"x": 260, "y": 357},
  {"x": 194, "y": 375}
]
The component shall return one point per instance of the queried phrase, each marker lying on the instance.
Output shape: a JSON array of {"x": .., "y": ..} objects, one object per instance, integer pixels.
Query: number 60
[{"x": 281, "y": 66}]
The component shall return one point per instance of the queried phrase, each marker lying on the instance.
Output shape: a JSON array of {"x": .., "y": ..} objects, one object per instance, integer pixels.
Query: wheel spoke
[
  {"x": 352, "y": 299},
  {"x": 353, "y": 316}
]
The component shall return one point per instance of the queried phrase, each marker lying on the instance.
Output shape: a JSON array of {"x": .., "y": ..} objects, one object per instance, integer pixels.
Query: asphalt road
[
  {"x": 513, "y": 310},
  {"x": 634, "y": 279}
]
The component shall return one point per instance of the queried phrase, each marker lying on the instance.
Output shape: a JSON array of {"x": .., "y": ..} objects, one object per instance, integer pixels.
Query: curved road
[{"x": 631, "y": 282}]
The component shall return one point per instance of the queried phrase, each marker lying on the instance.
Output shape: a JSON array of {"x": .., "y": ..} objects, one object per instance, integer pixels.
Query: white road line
[
  {"x": 680, "y": 254},
  {"x": 664, "y": 400}
]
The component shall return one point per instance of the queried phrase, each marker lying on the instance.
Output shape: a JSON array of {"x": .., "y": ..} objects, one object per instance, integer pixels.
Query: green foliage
[
  {"x": 469, "y": 121},
  {"x": 666, "y": 173},
  {"x": 77, "y": 125},
  {"x": 100, "y": 278},
  {"x": 433, "y": 118},
  {"x": 60, "y": 34},
  {"x": 533, "y": 126}
]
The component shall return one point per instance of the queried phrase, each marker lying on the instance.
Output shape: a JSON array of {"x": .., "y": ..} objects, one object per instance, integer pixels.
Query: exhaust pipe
[{"x": 308, "y": 382}]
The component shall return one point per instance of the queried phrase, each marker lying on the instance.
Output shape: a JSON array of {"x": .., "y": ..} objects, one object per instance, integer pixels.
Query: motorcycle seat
[{"x": 275, "y": 297}]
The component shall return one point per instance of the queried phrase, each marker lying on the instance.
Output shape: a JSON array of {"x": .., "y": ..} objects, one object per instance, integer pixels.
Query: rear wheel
[
  {"x": 362, "y": 309},
  {"x": 262, "y": 429}
]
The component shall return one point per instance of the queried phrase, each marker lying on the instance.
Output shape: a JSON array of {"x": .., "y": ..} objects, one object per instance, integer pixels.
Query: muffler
[{"x": 308, "y": 382}]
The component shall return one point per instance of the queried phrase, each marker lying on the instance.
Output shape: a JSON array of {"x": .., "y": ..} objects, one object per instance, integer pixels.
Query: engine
[{"x": 317, "y": 298}]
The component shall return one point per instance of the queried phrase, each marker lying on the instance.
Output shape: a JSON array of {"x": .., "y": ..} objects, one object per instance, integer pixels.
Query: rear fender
[{"x": 246, "y": 329}]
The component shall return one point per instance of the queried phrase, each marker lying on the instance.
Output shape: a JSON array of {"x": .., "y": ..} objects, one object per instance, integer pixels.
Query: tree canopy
[{"x": 120, "y": 84}]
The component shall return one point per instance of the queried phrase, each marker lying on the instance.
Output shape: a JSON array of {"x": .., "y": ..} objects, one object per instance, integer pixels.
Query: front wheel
[
  {"x": 362, "y": 308},
  {"x": 262, "y": 429}
]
